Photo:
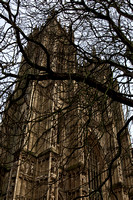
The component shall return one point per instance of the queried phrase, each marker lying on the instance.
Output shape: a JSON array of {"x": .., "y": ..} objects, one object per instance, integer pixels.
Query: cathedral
[{"x": 61, "y": 135}]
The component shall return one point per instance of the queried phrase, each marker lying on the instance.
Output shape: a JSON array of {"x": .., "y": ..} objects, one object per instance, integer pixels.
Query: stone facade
[{"x": 61, "y": 156}]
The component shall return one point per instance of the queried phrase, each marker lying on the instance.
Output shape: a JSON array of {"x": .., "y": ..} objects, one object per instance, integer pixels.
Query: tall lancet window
[{"x": 94, "y": 162}]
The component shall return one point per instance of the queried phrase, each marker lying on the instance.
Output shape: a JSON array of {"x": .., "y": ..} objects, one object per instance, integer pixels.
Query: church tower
[{"x": 55, "y": 154}]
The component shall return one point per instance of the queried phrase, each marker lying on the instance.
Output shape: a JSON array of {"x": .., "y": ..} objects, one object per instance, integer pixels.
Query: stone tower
[{"x": 54, "y": 154}]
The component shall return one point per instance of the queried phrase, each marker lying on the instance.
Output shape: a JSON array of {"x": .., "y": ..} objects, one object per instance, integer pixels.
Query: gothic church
[{"x": 60, "y": 139}]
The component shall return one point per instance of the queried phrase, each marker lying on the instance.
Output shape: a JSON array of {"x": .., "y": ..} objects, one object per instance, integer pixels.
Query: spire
[
  {"x": 52, "y": 15},
  {"x": 94, "y": 51},
  {"x": 71, "y": 33},
  {"x": 94, "y": 55}
]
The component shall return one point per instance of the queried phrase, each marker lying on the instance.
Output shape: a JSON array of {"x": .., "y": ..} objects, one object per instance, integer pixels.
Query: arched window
[{"x": 95, "y": 167}]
